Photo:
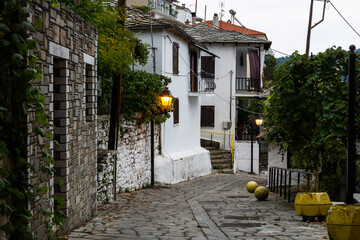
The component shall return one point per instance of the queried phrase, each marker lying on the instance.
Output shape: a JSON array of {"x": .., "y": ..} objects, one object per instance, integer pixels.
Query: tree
[
  {"x": 270, "y": 66},
  {"x": 307, "y": 114}
]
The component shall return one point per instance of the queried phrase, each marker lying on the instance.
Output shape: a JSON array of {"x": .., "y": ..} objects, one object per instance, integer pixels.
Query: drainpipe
[{"x": 231, "y": 73}]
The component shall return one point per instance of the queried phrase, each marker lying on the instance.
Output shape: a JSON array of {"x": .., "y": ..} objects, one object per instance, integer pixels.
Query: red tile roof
[{"x": 232, "y": 27}]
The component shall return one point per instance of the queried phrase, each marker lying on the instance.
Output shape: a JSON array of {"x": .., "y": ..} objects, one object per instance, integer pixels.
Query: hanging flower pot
[
  {"x": 343, "y": 222},
  {"x": 311, "y": 205}
]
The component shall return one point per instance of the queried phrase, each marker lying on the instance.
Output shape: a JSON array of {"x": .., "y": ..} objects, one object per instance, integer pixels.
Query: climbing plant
[
  {"x": 21, "y": 99},
  {"x": 140, "y": 96},
  {"x": 307, "y": 114}
]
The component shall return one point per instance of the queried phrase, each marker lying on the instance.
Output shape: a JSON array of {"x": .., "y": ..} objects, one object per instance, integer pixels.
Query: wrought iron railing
[
  {"x": 204, "y": 85},
  {"x": 281, "y": 180},
  {"x": 247, "y": 84},
  {"x": 243, "y": 132},
  {"x": 168, "y": 9},
  {"x": 207, "y": 85}
]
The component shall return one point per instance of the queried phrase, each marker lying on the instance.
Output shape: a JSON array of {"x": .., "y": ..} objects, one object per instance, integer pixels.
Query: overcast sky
[{"x": 285, "y": 22}]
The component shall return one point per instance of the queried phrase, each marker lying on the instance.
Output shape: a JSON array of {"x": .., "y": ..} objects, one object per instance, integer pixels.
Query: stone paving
[{"x": 216, "y": 206}]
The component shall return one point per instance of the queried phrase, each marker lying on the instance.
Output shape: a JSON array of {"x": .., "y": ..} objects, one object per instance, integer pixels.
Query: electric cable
[{"x": 343, "y": 18}]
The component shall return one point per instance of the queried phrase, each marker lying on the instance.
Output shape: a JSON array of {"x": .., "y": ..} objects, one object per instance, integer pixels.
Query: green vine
[{"x": 21, "y": 99}]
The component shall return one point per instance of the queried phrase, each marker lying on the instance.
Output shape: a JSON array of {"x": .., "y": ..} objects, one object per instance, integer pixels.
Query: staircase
[{"x": 221, "y": 161}]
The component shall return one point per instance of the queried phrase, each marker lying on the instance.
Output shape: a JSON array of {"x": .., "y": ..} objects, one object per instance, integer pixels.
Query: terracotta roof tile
[{"x": 232, "y": 27}]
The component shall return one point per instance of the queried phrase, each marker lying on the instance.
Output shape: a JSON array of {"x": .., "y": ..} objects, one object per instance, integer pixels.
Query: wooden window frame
[
  {"x": 176, "y": 111},
  {"x": 207, "y": 67},
  {"x": 176, "y": 58},
  {"x": 211, "y": 111}
]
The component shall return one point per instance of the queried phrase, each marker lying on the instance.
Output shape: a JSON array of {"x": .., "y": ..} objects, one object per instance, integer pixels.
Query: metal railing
[
  {"x": 243, "y": 132},
  {"x": 161, "y": 6},
  {"x": 247, "y": 84},
  {"x": 204, "y": 85},
  {"x": 281, "y": 180}
]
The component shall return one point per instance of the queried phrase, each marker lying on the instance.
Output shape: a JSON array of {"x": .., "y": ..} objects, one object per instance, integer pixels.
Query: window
[
  {"x": 207, "y": 116},
  {"x": 193, "y": 71},
  {"x": 175, "y": 58},
  {"x": 207, "y": 67},
  {"x": 176, "y": 111}
]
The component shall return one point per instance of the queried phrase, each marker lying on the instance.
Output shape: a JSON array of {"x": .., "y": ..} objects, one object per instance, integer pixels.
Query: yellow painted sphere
[
  {"x": 251, "y": 186},
  {"x": 261, "y": 193}
]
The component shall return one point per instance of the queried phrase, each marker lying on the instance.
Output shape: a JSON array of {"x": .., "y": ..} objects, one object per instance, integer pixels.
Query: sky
[{"x": 285, "y": 22}]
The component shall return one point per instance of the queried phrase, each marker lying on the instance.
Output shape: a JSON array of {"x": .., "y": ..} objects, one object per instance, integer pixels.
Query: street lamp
[
  {"x": 258, "y": 122},
  {"x": 166, "y": 100}
]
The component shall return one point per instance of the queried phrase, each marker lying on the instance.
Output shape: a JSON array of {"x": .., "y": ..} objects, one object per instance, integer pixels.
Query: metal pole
[
  {"x": 152, "y": 120},
  {"x": 351, "y": 166},
  {"x": 252, "y": 146},
  {"x": 152, "y": 152},
  {"x": 309, "y": 29}
]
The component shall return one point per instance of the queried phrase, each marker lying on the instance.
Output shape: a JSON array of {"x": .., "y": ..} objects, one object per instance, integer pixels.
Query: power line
[
  {"x": 344, "y": 18},
  {"x": 243, "y": 109},
  {"x": 280, "y": 52}
]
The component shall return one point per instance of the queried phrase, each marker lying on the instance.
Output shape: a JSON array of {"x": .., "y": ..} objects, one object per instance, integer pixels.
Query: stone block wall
[
  {"x": 68, "y": 47},
  {"x": 242, "y": 156},
  {"x": 133, "y": 153},
  {"x": 105, "y": 176}
]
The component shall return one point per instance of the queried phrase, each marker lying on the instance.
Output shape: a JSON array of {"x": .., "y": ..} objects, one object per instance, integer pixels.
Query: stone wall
[
  {"x": 133, "y": 152},
  {"x": 242, "y": 156},
  {"x": 105, "y": 176},
  {"x": 67, "y": 55}
]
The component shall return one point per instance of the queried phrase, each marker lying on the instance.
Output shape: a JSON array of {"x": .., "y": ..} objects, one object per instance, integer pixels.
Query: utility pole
[
  {"x": 310, "y": 23},
  {"x": 116, "y": 102},
  {"x": 116, "y": 93}
]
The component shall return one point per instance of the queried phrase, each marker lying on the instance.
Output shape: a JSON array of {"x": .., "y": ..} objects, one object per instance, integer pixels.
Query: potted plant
[
  {"x": 311, "y": 205},
  {"x": 343, "y": 222}
]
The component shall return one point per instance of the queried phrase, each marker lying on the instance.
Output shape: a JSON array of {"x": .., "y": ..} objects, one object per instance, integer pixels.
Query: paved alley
[{"x": 216, "y": 206}]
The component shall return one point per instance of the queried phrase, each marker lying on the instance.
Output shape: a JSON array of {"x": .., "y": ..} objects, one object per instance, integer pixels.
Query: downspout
[
  {"x": 231, "y": 73},
  {"x": 231, "y": 84},
  {"x": 260, "y": 73}
]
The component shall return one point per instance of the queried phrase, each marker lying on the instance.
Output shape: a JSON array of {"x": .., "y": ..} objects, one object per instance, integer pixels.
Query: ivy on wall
[{"x": 21, "y": 99}]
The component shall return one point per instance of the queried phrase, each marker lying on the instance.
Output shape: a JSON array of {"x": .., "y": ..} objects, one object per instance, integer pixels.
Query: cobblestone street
[{"x": 216, "y": 206}]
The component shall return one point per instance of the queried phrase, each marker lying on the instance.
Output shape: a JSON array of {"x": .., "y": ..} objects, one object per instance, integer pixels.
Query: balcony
[
  {"x": 207, "y": 85},
  {"x": 202, "y": 85},
  {"x": 243, "y": 132},
  {"x": 247, "y": 84},
  {"x": 165, "y": 8}
]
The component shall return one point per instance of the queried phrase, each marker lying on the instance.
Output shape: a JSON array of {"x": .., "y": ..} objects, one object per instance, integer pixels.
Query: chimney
[
  {"x": 193, "y": 14},
  {"x": 183, "y": 5},
  {"x": 216, "y": 21}
]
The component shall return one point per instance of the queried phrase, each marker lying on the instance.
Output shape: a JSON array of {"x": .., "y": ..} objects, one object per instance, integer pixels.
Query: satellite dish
[{"x": 232, "y": 12}]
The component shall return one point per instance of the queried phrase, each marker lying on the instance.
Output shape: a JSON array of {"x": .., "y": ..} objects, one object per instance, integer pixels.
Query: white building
[
  {"x": 238, "y": 79},
  {"x": 177, "y": 56},
  {"x": 167, "y": 9}
]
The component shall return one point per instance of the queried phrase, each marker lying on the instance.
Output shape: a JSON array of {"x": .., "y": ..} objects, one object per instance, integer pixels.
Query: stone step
[
  {"x": 217, "y": 151},
  {"x": 221, "y": 161},
  {"x": 211, "y": 148},
  {"x": 226, "y": 171}
]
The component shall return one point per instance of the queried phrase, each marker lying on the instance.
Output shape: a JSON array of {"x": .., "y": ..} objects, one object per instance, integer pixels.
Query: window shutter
[
  {"x": 176, "y": 111},
  {"x": 208, "y": 67},
  {"x": 207, "y": 116},
  {"x": 175, "y": 58}
]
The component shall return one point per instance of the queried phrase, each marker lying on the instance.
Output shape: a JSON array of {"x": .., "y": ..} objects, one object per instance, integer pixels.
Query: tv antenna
[
  {"x": 233, "y": 18},
  {"x": 222, "y": 11}
]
